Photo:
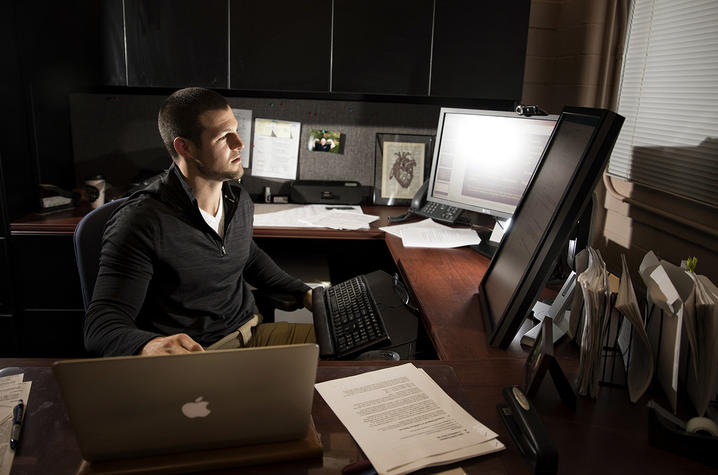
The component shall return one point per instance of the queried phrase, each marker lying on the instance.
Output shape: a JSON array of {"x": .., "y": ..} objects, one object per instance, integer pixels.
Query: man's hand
[
  {"x": 171, "y": 345},
  {"x": 307, "y": 299}
]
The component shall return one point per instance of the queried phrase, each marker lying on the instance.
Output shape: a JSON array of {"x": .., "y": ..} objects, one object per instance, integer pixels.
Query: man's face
[{"x": 217, "y": 157}]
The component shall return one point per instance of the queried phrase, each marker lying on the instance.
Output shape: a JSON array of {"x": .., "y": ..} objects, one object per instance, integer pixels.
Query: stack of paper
[
  {"x": 632, "y": 338},
  {"x": 312, "y": 216},
  {"x": 429, "y": 233},
  {"x": 596, "y": 307},
  {"x": 671, "y": 291},
  {"x": 12, "y": 391},
  {"x": 702, "y": 375},
  {"x": 404, "y": 421}
]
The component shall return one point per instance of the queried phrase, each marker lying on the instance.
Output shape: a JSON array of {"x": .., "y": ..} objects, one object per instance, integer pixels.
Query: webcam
[{"x": 528, "y": 111}]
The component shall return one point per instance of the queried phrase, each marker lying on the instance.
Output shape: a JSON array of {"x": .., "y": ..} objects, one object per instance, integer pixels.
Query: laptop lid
[{"x": 137, "y": 406}]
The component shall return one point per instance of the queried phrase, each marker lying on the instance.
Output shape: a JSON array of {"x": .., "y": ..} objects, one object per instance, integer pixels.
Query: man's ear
[{"x": 183, "y": 147}]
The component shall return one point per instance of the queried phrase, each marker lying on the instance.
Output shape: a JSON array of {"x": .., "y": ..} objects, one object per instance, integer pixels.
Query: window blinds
[{"x": 669, "y": 97}]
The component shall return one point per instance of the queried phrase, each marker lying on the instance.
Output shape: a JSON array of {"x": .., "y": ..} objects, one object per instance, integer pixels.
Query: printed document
[
  {"x": 404, "y": 421},
  {"x": 311, "y": 216},
  {"x": 336, "y": 219},
  {"x": 12, "y": 390},
  {"x": 244, "y": 129},
  {"x": 276, "y": 148},
  {"x": 428, "y": 233}
]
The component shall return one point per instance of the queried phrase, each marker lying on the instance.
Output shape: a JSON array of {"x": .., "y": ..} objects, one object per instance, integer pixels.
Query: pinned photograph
[{"x": 324, "y": 141}]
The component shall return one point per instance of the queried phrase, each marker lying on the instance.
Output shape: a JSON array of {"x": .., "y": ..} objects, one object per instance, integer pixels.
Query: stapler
[{"x": 528, "y": 432}]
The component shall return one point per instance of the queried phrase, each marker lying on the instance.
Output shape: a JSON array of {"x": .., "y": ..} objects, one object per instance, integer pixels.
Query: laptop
[{"x": 134, "y": 406}]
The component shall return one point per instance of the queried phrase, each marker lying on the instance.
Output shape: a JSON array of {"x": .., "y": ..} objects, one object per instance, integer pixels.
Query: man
[
  {"x": 323, "y": 145},
  {"x": 178, "y": 258}
]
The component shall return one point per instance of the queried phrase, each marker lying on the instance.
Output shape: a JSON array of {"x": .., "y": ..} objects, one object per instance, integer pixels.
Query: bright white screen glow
[{"x": 484, "y": 159}]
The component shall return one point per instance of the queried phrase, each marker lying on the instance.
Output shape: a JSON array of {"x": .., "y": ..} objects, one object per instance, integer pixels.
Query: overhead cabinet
[
  {"x": 176, "y": 43},
  {"x": 416, "y": 48},
  {"x": 382, "y": 47},
  {"x": 283, "y": 46}
]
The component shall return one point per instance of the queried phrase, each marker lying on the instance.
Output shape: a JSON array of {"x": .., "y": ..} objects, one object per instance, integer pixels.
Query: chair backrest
[{"x": 87, "y": 240}]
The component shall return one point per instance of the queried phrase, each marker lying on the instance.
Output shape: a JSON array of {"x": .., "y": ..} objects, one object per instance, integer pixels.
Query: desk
[
  {"x": 601, "y": 437},
  {"x": 442, "y": 281}
]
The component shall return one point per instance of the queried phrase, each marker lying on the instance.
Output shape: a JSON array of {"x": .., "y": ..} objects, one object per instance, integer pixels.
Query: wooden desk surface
[
  {"x": 604, "y": 436},
  {"x": 443, "y": 281},
  {"x": 65, "y": 221}
]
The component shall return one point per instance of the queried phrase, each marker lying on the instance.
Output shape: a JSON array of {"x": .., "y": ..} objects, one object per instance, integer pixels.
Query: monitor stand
[
  {"x": 490, "y": 239},
  {"x": 486, "y": 248}
]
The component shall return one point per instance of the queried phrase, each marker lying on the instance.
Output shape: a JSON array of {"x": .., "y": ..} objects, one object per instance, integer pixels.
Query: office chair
[{"x": 87, "y": 241}]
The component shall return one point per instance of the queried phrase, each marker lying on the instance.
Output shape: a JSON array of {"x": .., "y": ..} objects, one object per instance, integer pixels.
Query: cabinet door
[
  {"x": 46, "y": 274},
  {"x": 281, "y": 45},
  {"x": 382, "y": 47},
  {"x": 176, "y": 43},
  {"x": 51, "y": 333},
  {"x": 479, "y": 49}
]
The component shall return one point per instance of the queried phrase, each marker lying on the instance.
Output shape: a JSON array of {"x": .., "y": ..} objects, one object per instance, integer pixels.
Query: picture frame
[
  {"x": 402, "y": 164},
  {"x": 541, "y": 359}
]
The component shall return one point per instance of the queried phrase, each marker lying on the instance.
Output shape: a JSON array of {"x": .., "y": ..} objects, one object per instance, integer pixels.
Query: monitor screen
[
  {"x": 483, "y": 159},
  {"x": 544, "y": 219}
]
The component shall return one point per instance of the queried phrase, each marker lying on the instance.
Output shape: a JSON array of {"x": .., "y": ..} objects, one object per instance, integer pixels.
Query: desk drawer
[{"x": 45, "y": 272}]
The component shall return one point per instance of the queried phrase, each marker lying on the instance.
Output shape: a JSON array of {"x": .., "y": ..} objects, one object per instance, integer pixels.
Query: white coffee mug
[{"x": 95, "y": 188}]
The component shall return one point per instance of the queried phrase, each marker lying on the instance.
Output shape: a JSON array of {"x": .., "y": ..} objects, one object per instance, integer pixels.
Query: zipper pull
[{"x": 223, "y": 251}]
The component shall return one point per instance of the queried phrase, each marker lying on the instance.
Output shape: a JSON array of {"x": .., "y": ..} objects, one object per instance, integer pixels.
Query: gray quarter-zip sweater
[{"x": 163, "y": 270}]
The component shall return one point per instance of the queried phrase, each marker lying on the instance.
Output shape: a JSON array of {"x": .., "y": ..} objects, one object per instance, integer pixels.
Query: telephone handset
[
  {"x": 419, "y": 199},
  {"x": 527, "y": 430},
  {"x": 428, "y": 209}
]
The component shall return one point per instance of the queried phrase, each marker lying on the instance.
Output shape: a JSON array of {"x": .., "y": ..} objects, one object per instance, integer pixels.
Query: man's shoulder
[{"x": 139, "y": 210}]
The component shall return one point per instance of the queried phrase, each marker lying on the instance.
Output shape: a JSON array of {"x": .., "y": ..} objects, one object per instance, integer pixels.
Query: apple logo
[{"x": 198, "y": 408}]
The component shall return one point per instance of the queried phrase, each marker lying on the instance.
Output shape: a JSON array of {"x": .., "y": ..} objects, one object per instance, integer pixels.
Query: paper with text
[
  {"x": 397, "y": 229},
  {"x": 299, "y": 216},
  {"x": 403, "y": 420},
  {"x": 336, "y": 219},
  {"x": 276, "y": 148},
  {"x": 244, "y": 129},
  {"x": 12, "y": 390},
  {"x": 439, "y": 238}
]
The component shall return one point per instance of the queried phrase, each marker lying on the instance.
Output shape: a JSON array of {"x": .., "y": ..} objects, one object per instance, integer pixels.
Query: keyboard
[
  {"x": 440, "y": 212},
  {"x": 346, "y": 319}
]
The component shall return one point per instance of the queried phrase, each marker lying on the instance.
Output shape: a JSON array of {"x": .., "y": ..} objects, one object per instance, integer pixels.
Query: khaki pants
[{"x": 254, "y": 334}]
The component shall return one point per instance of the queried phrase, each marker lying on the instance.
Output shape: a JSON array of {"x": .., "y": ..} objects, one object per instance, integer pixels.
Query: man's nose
[{"x": 236, "y": 142}]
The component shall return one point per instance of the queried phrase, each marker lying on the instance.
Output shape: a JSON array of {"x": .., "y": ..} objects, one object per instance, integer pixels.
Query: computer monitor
[
  {"x": 559, "y": 190},
  {"x": 484, "y": 159}
]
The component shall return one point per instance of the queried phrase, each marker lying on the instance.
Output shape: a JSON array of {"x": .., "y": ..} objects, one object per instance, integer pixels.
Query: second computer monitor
[{"x": 484, "y": 159}]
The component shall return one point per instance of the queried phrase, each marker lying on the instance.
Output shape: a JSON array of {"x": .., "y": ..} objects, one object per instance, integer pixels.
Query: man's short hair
[{"x": 179, "y": 115}]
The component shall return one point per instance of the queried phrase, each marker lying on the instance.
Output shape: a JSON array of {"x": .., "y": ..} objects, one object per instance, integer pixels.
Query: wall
[
  {"x": 116, "y": 135},
  {"x": 573, "y": 58}
]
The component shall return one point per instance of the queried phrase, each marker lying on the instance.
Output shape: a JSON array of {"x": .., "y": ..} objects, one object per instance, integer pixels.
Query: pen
[
  {"x": 339, "y": 207},
  {"x": 17, "y": 415}
]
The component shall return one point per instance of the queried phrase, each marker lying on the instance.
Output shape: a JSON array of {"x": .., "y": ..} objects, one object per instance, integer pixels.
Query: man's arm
[
  {"x": 110, "y": 327},
  {"x": 262, "y": 272}
]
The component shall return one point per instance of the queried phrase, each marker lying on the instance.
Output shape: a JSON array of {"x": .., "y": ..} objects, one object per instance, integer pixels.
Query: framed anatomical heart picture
[{"x": 402, "y": 165}]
